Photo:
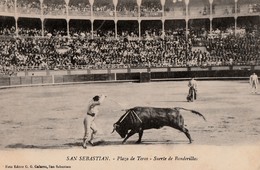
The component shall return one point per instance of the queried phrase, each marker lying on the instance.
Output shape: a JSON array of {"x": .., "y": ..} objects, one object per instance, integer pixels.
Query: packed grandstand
[{"x": 62, "y": 34}]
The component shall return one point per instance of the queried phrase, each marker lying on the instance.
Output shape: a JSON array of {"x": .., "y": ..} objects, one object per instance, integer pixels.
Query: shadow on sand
[
  {"x": 24, "y": 146},
  {"x": 183, "y": 101},
  {"x": 100, "y": 143}
]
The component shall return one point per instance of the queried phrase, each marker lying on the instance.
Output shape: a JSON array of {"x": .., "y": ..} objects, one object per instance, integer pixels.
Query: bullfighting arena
[{"x": 51, "y": 117}]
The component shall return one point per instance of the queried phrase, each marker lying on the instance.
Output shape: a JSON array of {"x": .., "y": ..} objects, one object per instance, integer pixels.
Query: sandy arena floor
[
  {"x": 51, "y": 117},
  {"x": 42, "y": 127}
]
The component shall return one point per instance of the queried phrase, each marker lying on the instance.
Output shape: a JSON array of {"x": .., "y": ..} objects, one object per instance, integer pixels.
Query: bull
[{"x": 138, "y": 119}]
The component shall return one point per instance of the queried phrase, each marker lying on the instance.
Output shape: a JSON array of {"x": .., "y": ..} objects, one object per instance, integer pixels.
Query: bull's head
[{"x": 120, "y": 130}]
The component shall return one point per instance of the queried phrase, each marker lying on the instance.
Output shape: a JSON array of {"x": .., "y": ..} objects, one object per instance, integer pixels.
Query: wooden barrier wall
[{"x": 210, "y": 73}]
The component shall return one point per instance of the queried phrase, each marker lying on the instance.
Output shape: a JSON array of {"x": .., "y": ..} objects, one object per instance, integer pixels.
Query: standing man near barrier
[
  {"x": 192, "y": 90},
  {"x": 89, "y": 120},
  {"x": 253, "y": 80}
]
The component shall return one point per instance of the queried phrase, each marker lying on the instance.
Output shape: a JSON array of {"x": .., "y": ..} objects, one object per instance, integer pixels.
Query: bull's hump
[
  {"x": 156, "y": 109},
  {"x": 147, "y": 107}
]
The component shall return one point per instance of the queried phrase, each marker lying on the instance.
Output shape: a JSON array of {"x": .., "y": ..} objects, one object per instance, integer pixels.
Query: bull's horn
[
  {"x": 113, "y": 130},
  {"x": 115, "y": 125}
]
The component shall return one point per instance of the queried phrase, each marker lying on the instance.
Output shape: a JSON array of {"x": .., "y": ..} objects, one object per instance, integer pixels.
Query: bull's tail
[{"x": 192, "y": 111}]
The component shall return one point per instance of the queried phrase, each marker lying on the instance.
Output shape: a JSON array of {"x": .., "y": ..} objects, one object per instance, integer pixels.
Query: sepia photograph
[{"x": 130, "y": 84}]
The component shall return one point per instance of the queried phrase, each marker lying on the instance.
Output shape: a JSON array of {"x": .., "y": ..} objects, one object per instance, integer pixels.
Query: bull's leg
[
  {"x": 131, "y": 133},
  {"x": 140, "y": 136},
  {"x": 180, "y": 126},
  {"x": 186, "y": 132}
]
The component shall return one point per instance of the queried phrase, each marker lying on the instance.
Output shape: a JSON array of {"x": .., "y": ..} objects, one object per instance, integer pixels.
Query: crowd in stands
[
  {"x": 105, "y": 8},
  {"x": 23, "y": 31},
  {"x": 155, "y": 49},
  {"x": 7, "y": 5},
  {"x": 151, "y": 9},
  {"x": 80, "y": 8},
  {"x": 57, "y": 52},
  {"x": 54, "y": 9},
  {"x": 26, "y": 6},
  {"x": 243, "y": 50},
  {"x": 253, "y": 8},
  {"x": 7, "y": 31},
  {"x": 127, "y": 9}
]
